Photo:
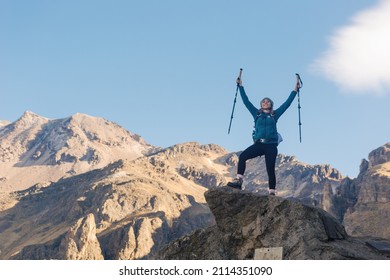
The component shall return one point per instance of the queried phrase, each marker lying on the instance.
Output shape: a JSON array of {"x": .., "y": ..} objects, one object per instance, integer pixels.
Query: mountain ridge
[
  {"x": 69, "y": 146},
  {"x": 149, "y": 195}
]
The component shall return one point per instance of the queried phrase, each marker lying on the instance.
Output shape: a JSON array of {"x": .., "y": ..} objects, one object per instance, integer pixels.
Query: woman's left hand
[{"x": 297, "y": 86}]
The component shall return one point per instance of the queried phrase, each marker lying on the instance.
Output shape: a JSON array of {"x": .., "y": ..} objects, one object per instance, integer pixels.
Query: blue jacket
[{"x": 265, "y": 123}]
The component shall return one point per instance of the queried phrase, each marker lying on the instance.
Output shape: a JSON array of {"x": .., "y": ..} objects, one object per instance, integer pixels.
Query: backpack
[{"x": 280, "y": 138}]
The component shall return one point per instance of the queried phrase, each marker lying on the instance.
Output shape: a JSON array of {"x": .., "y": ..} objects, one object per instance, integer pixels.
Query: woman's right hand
[{"x": 297, "y": 86}]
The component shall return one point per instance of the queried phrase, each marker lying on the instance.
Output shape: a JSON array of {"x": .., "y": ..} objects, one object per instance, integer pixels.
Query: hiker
[{"x": 265, "y": 136}]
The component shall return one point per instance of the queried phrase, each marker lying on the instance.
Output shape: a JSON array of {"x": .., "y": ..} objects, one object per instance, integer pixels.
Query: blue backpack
[{"x": 280, "y": 138}]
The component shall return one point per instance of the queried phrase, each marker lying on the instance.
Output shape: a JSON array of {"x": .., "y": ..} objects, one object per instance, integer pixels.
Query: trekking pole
[
  {"x": 235, "y": 98},
  {"x": 300, "y": 84}
]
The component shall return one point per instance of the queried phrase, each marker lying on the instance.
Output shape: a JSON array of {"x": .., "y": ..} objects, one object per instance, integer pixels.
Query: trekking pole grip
[
  {"x": 239, "y": 76},
  {"x": 299, "y": 81}
]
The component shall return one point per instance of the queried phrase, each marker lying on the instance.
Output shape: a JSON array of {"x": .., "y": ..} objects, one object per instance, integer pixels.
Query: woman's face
[{"x": 266, "y": 104}]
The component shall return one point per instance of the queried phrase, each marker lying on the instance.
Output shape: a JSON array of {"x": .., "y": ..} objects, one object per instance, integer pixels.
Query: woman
[{"x": 265, "y": 136}]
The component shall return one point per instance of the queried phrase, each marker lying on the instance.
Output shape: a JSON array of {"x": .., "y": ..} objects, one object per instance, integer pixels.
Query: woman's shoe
[{"x": 236, "y": 183}]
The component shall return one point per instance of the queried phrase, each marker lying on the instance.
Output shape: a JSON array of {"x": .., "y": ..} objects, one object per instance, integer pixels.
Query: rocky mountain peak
[
  {"x": 4, "y": 123},
  {"x": 99, "y": 130},
  {"x": 29, "y": 119},
  {"x": 379, "y": 155},
  {"x": 67, "y": 146},
  {"x": 363, "y": 203},
  {"x": 28, "y": 122}
]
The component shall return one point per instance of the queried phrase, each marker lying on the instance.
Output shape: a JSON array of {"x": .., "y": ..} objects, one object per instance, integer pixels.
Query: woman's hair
[{"x": 271, "y": 112}]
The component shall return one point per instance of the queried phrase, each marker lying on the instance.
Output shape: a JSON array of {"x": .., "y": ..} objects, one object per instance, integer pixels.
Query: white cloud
[{"x": 358, "y": 58}]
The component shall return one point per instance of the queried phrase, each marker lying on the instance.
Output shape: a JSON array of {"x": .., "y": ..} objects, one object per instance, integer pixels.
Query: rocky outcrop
[
  {"x": 246, "y": 221},
  {"x": 363, "y": 203},
  {"x": 370, "y": 215},
  {"x": 380, "y": 155},
  {"x": 79, "y": 243}
]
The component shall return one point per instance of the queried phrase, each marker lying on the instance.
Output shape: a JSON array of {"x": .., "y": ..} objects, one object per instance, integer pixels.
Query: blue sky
[{"x": 166, "y": 70}]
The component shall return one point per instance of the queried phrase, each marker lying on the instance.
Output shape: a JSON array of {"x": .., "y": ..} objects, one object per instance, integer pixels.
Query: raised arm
[
  {"x": 287, "y": 103},
  {"x": 251, "y": 108}
]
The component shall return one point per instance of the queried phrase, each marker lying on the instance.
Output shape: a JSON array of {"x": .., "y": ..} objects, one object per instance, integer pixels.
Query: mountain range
[
  {"x": 34, "y": 149},
  {"x": 83, "y": 187}
]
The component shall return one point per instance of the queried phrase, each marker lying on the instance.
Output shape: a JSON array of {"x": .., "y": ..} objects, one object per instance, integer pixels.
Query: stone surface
[
  {"x": 381, "y": 246},
  {"x": 246, "y": 221}
]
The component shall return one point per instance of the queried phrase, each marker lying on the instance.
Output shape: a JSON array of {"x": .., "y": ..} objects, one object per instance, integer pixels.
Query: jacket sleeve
[
  {"x": 285, "y": 105},
  {"x": 251, "y": 108}
]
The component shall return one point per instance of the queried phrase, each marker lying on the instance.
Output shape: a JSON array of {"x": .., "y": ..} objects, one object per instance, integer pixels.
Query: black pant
[{"x": 270, "y": 151}]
